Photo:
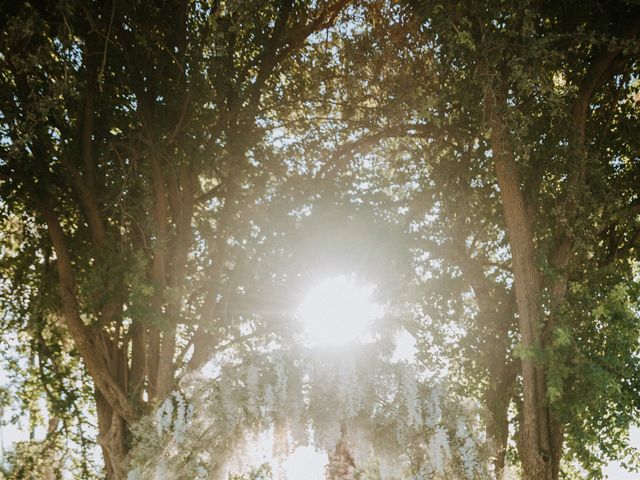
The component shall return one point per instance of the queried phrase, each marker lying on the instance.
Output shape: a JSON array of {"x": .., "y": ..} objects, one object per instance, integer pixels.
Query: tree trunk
[
  {"x": 112, "y": 434},
  {"x": 496, "y": 313},
  {"x": 535, "y": 443},
  {"x": 341, "y": 464},
  {"x": 51, "y": 472},
  {"x": 497, "y": 400}
]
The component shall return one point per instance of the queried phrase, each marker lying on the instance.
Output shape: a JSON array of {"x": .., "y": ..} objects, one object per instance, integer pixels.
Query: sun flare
[{"x": 338, "y": 311}]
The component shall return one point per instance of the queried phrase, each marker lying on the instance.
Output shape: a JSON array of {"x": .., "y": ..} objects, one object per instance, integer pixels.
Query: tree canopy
[{"x": 175, "y": 175}]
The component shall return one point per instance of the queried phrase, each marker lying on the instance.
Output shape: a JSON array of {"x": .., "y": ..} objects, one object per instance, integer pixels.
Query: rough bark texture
[
  {"x": 541, "y": 434},
  {"x": 535, "y": 439}
]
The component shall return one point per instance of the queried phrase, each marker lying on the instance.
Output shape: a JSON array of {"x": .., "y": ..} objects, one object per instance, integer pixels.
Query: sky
[{"x": 615, "y": 471}]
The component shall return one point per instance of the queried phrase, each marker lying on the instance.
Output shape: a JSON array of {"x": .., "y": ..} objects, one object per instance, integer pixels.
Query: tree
[
  {"x": 504, "y": 74},
  {"x": 515, "y": 97},
  {"x": 132, "y": 156},
  {"x": 164, "y": 166},
  {"x": 475, "y": 187}
]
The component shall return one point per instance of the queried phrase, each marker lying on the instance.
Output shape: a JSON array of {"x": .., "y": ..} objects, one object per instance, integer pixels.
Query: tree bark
[
  {"x": 341, "y": 464},
  {"x": 535, "y": 439},
  {"x": 112, "y": 435}
]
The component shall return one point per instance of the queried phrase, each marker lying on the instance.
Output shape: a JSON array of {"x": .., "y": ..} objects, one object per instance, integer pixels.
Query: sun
[{"x": 338, "y": 311}]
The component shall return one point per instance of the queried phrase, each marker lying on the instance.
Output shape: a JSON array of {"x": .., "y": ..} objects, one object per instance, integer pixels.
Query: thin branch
[{"x": 367, "y": 142}]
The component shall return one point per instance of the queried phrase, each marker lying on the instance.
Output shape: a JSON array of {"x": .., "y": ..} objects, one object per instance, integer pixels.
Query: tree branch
[
  {"x": 86, "y": 339},
  {"x": 367, "y": 142}
]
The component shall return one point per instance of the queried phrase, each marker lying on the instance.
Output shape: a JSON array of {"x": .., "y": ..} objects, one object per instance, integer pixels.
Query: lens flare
[{"x": 338, "y": 312}]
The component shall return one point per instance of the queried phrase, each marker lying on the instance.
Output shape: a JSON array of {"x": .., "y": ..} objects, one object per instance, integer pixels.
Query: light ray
[{"x": 338, "y": 311}]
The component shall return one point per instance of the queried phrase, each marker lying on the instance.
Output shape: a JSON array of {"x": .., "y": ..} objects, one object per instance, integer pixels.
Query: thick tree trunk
[
  {"x": 535, "y": 443},
  {"x": 112, "y": 435},
  {"x": 542, "y": 435},
  {"x": 103, "y": 359}
]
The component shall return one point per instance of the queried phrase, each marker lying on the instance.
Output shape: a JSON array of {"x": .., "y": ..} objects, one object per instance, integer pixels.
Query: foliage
[
  {"x": 174, "y": 174},
  {"x": 408, "y": 427}
]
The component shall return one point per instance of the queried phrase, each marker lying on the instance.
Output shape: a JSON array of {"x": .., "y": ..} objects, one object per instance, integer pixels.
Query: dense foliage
[
  {"x": 393, "y": 418},
  {"x": 174, "y": 175}
]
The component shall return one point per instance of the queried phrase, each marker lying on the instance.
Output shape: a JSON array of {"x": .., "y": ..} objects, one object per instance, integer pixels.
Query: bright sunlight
[
  {"x": 278, "y": 240},
  {"x": 338, "y": 312}
]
